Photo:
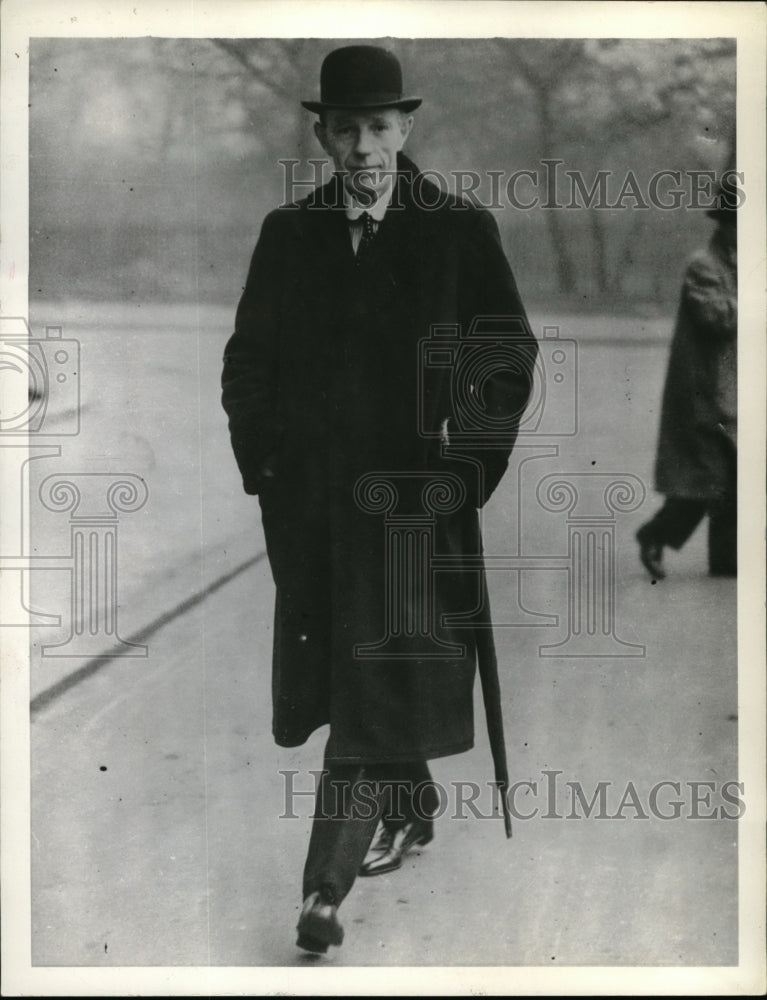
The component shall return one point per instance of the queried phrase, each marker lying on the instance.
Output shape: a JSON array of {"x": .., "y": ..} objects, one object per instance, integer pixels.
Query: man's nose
[{"x": 364, "y": 144}]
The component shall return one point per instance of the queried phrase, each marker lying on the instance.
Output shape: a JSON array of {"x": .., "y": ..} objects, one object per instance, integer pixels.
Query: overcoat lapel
[{"x": 324, "y": 231}]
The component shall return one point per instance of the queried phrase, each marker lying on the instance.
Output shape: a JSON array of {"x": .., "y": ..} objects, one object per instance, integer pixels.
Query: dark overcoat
[
  {"x": 697, "y": 441},
  {"x": 325, "y": 382}
]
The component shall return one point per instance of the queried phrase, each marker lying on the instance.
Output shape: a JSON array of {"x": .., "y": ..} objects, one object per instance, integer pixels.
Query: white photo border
[{"x": 25, "y": 19}]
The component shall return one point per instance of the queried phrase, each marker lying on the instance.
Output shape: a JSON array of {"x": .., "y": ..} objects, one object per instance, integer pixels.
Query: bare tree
[
  {"x": 545, "y": 68},
  {"x": 280, "y": 68}
]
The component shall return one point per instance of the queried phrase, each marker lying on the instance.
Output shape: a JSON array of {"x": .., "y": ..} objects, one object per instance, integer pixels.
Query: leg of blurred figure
[
  {"x": 672, "y": 525},
  {"x": 723, "y": 539},
  {"x": 723, "y": 528}
]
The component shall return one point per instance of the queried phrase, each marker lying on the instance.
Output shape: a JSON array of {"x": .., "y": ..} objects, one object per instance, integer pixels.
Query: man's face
[{"x": 364, "y": 146}]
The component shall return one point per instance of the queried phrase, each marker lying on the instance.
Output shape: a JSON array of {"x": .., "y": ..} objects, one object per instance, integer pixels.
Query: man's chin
[{"x": 367, "y": 185}]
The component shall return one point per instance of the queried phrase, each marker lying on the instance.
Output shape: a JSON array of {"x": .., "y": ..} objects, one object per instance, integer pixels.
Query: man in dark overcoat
[
  {"x": 341, "y": 423},
  {"x": 696, "y": 466}
]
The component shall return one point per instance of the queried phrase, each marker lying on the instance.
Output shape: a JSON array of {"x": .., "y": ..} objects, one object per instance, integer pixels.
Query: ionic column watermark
[
  {"x": 94, "y": 501},
  {"x": 591, "y": 500},
  {"x": 409, "y": 546}
]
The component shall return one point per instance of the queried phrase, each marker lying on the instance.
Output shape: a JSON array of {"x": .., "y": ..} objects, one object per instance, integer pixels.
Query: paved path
[{"x": 157, "y": 789}]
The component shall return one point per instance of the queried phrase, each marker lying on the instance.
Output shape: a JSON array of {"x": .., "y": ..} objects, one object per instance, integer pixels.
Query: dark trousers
[
  {"x": 351, "y": 798},
  {"x": 680, "y": 516}
]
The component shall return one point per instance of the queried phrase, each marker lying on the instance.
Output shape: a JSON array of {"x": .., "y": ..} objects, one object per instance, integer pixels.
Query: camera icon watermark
[
  {"x": 499, "y": 386},
  {"x": 553, "y": 407},
  {"x": 39, "y": 381},
  {"x": 480, "y": 390},
  {"x": 39, "y": 400}
]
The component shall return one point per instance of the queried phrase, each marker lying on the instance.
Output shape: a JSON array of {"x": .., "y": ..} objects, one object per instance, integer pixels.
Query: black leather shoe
[
  {"x": 318, "y": 924},
  {"x": 383, "y": 842},
  {"x": 413, "y": 834},
  {"x": 651, "y": 556}
]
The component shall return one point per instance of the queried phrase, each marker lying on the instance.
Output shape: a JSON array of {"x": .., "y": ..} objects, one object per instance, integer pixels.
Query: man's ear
[
  {"x": 406, "y": 125},
  {"x": 321, "y": 133}
]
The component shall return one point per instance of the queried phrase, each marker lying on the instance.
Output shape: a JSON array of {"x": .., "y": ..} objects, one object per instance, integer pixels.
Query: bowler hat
[{"x": 361, "y": 76}]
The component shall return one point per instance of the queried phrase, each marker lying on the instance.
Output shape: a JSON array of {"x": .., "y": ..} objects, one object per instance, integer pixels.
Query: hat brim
[{"x": 404, "y": 104}]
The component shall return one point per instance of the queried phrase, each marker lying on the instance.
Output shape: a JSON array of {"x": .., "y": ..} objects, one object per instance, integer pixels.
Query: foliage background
[{"x": 154, "y": 160}]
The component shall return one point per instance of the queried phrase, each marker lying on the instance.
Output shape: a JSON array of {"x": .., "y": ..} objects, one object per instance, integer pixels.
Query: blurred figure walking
[{"x": 696, "y": 465}]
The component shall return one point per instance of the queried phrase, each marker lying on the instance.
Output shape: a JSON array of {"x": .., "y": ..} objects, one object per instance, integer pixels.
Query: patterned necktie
[{"x": 368, "y": 235}]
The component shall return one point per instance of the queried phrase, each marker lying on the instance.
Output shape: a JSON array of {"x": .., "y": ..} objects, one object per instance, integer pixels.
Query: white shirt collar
[{"x": 378, "y": 209}]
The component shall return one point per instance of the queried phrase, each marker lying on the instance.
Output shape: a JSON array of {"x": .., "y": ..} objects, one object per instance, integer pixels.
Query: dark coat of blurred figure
[{"x": 696, "y": 466}]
